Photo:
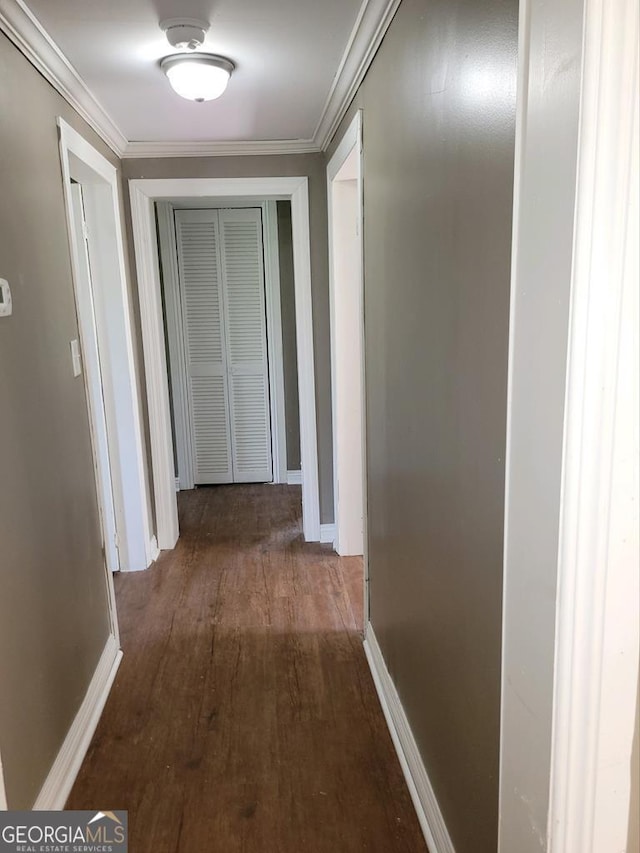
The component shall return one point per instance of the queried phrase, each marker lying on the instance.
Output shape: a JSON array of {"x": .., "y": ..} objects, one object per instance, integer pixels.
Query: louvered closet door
[
  {"x": 246, "y": 336},
  {"x": 197, "y": 237}
]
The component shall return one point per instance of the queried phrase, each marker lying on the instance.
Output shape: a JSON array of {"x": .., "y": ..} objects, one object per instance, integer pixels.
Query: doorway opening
[
  {"x": 344, "y": 197},
  {"x": 229, "y": 307},
  {"x": 104, "y": 356},
  {"x": 145, "y": 194}
]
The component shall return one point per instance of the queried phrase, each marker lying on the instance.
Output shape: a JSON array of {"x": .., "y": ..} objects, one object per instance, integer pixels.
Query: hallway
[{"x": 244, "y": 716}]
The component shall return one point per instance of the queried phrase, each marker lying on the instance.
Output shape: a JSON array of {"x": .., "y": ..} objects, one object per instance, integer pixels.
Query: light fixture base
[
  {"x": 209, "y": 58},
  {"x": 184, "y": 33}
]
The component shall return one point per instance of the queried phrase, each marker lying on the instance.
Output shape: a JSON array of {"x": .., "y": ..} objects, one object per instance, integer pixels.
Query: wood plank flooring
[{"x": 244, "y": 717}]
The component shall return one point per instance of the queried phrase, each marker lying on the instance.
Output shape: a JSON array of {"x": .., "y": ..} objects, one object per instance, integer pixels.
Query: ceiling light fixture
[{"x": 196, "y": 76}]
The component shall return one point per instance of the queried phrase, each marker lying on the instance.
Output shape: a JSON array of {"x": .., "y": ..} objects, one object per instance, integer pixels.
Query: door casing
[
  {"x": 175, "y": 338},
  {"x": 143, "y": 194}
]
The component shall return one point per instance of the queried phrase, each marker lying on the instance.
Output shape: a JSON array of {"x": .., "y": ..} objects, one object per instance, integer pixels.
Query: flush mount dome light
[{"x": 198, "y": 76}]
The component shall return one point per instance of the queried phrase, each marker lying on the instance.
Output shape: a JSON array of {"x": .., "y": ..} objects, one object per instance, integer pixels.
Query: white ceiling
[{"x": 287, "y": 53}]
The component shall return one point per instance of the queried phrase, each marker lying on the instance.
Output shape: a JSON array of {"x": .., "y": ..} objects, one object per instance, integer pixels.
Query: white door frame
[
  {"x": 105, "y": 329},
  {"x": 90, "y": 365},
  {"x": 175, "y": 335},
  {"x": 143, "y": 194},
  {"x": 597, "y": 636},
  {"x": 345, "y": 520}
]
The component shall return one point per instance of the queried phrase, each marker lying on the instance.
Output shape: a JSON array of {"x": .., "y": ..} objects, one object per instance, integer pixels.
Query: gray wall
[
  {"x": 313, "y": 166},
  {"x": 438, "y": 129},
  {"x": 289, "y": 354},
  {"x": 53, "y": 605}
]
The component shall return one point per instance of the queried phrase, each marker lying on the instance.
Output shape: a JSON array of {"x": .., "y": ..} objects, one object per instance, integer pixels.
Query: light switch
[
  {"x": 5, "y": 298},
  {"x": 76, "y": 358}
]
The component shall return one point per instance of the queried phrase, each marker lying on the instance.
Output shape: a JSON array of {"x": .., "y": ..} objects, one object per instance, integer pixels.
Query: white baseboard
[
  {"x": 62, "y": 775},
  {"x": 294, "y": 478},
  {"x": 3, "y": 796},
  {"x": 327, "y": 533},
  {"x": 423, "y": 796},
  {"x": 177, "y": 484}
]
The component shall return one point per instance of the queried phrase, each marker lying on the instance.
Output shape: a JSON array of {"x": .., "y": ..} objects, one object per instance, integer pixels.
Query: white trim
[
  {"x": 350, "y": 138},
  {"x": 424, "y": 799},
  {"x": 597, "y": 615},
  {"x": 350, "y": 531},
  {"x": 110, "y": 297},
  {"x": 62, "y": 775},
  {"x": 147, "y": 264},
  {"x": 327, "y": 533},
  {"x": 274, "y": 340},
  {"x": 143, "y": 193},
  {"x": 3, "y": 792},
  {"x": 294, "y": 478},
  {"x": 306, "y": 362},
  {"x": 249, "y": 148},
  {"x": 24, "y": 30},
  {"x": 175, "y": 342},
  {"x": 29, "y": 36},
  {"x": 372, "y": 23}
]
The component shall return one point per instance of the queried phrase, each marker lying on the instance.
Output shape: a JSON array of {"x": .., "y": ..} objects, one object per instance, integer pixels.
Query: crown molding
[
  {"x": 137, "y": 150},
  {"x": 23, "y": 29},
  {"x": 370, "y": 27}
]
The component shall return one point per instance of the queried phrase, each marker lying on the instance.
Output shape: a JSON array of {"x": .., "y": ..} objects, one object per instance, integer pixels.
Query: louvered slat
[
  {"x": 201, "y": 291},
  {"x": 245, "y": 330},
  {"x": 210, "y": 428}
]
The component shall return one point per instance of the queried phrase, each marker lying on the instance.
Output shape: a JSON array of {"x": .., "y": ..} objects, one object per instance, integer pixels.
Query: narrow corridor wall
[
  {"x": 438, "y": 136},
  {"x": 54, "y": 618}
]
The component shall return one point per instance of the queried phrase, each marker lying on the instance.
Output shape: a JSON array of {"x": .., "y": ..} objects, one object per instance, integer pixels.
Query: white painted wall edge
[
  {"x": 3, "y": 794},
  {"x": 177, "y": 367},
  {"x": 274, "y": 339},
  {"x": 327, "y": 533},
  {"x": 62, "y": 775},
  {"x": 153, "y": 552},
  {"x": 350, "y": 535},
  {"x": 148, "y": 272},
  {"x": 424, "y": 799},
  {"x": 294, "y": 478},
  {"x": 597, "y": 634},
  {"x": 24, "y": 30}
]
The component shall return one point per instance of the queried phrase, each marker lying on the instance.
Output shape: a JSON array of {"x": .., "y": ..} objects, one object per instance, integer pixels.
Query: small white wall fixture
[
  {"x": 344, "y": 195},
  {"x": 104, "y": 321},
  {"x": 144, "y": 193}
]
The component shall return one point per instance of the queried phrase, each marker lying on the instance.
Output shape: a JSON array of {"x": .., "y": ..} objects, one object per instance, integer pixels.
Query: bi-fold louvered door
[{"x": 221, "y": 272}]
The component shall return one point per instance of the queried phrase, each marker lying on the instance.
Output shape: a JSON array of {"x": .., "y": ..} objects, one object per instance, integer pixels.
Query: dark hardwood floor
[{"x": 244, "y": 716}]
